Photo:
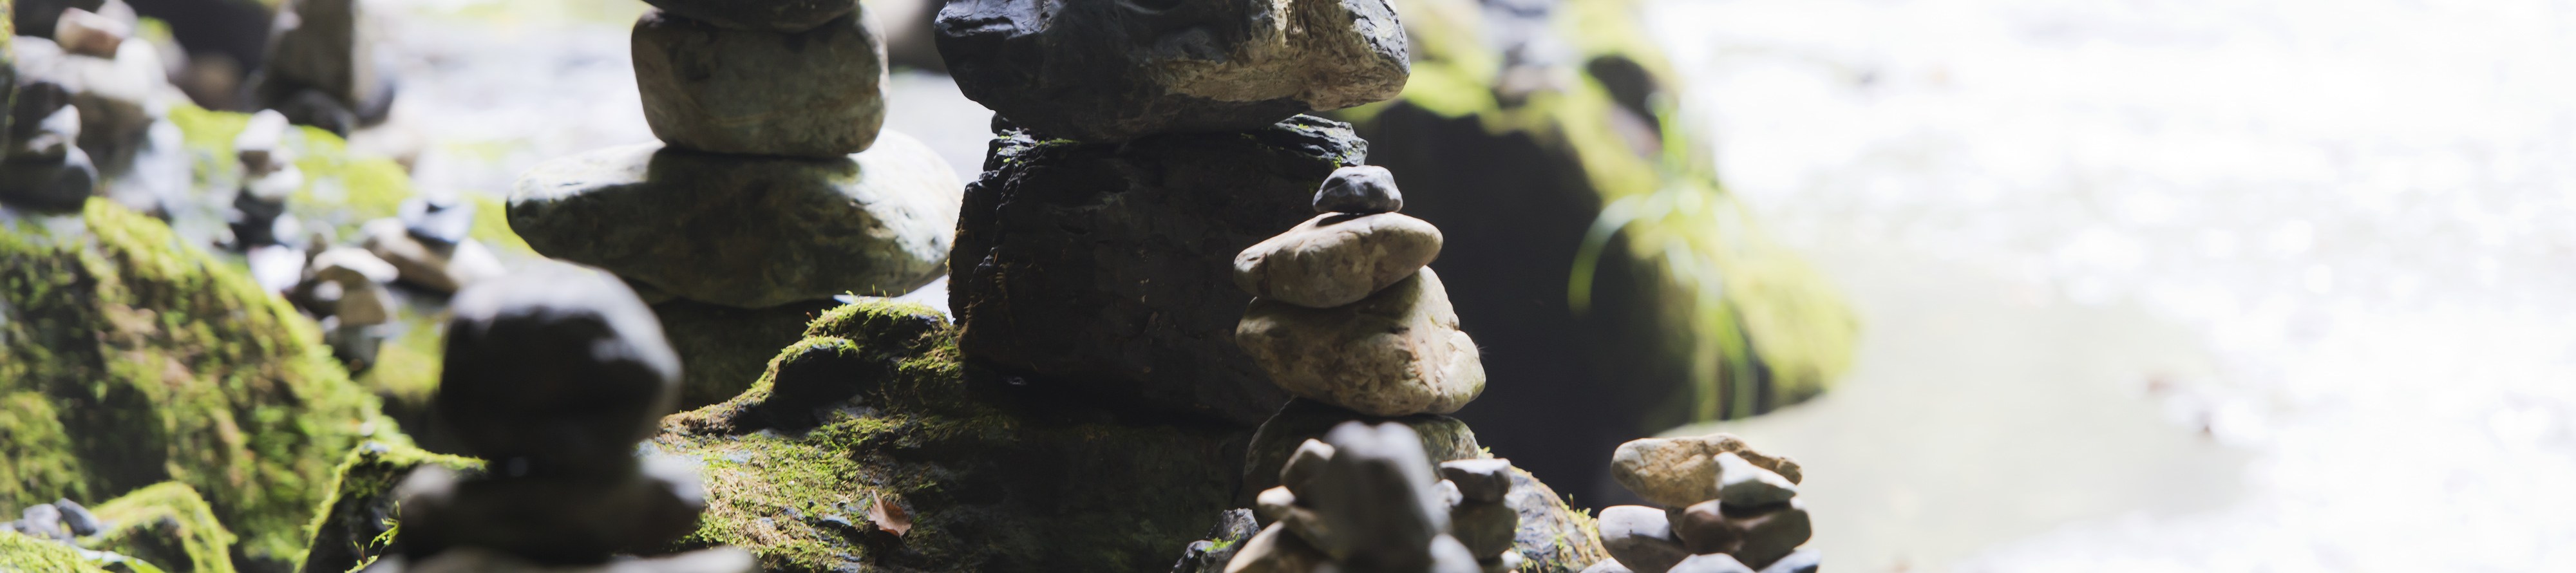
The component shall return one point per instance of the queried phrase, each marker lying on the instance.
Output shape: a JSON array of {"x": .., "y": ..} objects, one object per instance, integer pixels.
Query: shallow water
[{"x": 2171, "y": 286}]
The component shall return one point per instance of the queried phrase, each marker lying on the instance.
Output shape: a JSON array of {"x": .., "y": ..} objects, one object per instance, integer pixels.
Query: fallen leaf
[{"x": 888, "y": 516}]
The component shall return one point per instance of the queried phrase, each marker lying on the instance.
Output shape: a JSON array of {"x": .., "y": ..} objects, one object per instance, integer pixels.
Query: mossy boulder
[
  {"x": 19, "y": 552},
  {"x": 724, "y": 349},
  {"x": 128, "y": 358},
  {"x": 353, "y": 527},
  {"x": 867, "y": 446},
  {"x": 168, "y": 526}
]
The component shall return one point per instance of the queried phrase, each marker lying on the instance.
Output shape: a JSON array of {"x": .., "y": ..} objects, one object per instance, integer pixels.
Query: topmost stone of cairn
[{"x": 1115, "y": 71}]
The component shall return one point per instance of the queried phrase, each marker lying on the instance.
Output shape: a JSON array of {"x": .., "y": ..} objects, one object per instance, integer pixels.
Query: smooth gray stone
[
  {"x": 1360, "y": 189},
  {"x": 1481, "y": 480},
  {"x": 1641, "y": 538},
  {"x": 747, "y": 232},
  {"x": 78, "y": 519},
  {"x": 554, "y": 370},
  {"x": 813, "y": 93},
  {"x": 1742, "y": 484},
  {"x": 1376, "y": 496},
  {"x": 1305, "y": 464}
]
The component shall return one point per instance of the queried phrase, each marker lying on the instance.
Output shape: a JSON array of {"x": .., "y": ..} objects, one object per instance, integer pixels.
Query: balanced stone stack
[
  {"x": 773, "y": 190},
  {"x": 1139, "y": 146},
  {"x": 427, "y": 244},
  {"x": 1365, "y": 499},
  {"x": 553, "y": 377},
  {"x": 269, "y": 177},
  {"x": 1725, "y": 509},
  {"x": 115, "y": 139}
]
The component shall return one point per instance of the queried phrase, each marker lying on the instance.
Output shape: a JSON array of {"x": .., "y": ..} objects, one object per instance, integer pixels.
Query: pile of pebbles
[
  {"x": 1725, "y": 508},
  {"x": 1366, "y": 499}
]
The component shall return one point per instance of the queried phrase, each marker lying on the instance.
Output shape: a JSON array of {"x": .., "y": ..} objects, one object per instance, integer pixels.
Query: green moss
[
  {"x": 353, "y": 527},
  {"x": 158, "y": 363},
  {"x": 20, "y": 553},
  {"x": 873, "y": 407},
  {"x": 168, "y": 525}
]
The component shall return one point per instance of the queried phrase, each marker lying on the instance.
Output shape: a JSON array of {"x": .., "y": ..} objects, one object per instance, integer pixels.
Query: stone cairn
[
  {"x": 553, "y": 376},
  {"x": 1349, "y": 317},
  {"x": 1725, "y": 509},
  {"x": 89, "y": 116},
  {"x": 773, "y": 189},
  {"x": 62, "y": 521}
]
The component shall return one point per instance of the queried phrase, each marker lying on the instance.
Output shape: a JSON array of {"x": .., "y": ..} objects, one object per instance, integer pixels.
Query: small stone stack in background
[
  {"x": 553, "y": 376},
  {"x": 1365, "y": 499},
  {"x": 1726, "y": 509},
  {"x": 773, "y": 190},
  {"x": 90, "y": 114}
]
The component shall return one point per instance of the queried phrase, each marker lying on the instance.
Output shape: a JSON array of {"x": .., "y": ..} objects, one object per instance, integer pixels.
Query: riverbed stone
[
  {"x": 1484, "y": 480},
  {"x": 554, "y": 370},
  {"x": 1769, "y": 534},
  {"x": 810, "y": 93},
  {"x": 1742, "y": 484},
  {"x": 743, "y": 231},
  {"x": 1680, "y": 471},
  {"x": 1395, "y": 353},
  {"x": 1359, "y": 189},
  {"x": 765, "y": 15},
  {"x": 1641, "y": 538},
  {"x": 1336, "y": 259},
  {"x": 1114, "y": 71},
  {"x": 1102, "y": 270}
]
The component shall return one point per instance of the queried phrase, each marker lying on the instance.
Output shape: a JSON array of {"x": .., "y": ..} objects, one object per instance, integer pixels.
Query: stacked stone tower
[
  {"x": 552, "y": 377},
  {"x": 1725, "y": 509},
  {"x": 773, "y": 189}
]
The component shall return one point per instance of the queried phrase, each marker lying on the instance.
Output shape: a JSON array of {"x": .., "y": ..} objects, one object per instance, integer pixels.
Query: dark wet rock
[
  {"x": 771, "y": 15},
  {"x": 811, "y": 93},
  {"x": 743, "y": 231},
  {"x": 1553, "y": 538},
  {"x": 1102, "y": 269},
  {"x": 874, "y": 407},
  {"x": 554, "y": 371},
  {"x": 725, "y": 348},
  {"x": 1769, "y": 533},
  {"x": 1487, "y": 528},
  {"x": 45, "y": 168},
  {"x": 1233, "y": 530},
  {"x": 1115, "y": 71},
  {"x": 546, "y": 519},
  {"x": 1641, "y": 538},
  {"x": 1360, "y": 189},
  {"x": 50, "y": 186},
  {"x": 1443, "y": 439},
  {"x": 1800, "y": 561},
  {"x": 363, "y": 507},
  {"x": 1710, "y": 563},
  {"x": 1397, "y": 352},
  {"x": 318, "y": 109},
  {"x": 1742, "y": 484},
  {"x": 1484, "y": 480},
  {"x": 1679, "y": 471},
  {"x": 437, "y": 220},
  {"x": 1702, "y": 528},
  {"x": 1336, "y": 259}
]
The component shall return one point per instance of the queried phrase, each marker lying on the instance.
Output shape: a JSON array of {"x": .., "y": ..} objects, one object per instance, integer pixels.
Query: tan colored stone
[
  {"x": 1677, "y": 472},
  {"x": 1275, "y": 551},
  {"x": 1394, "y": 353},
  {"x": 1336, "y": 259}
]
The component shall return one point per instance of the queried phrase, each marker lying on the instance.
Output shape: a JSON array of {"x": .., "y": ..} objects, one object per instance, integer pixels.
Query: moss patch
[
  {"x": 167, "y": 525},
  {"x": 872, "y": 407},
  {"x": 351, "y": 530},
  {"x": 129, "y": 359},
  {"x": 19, "y": 552}
]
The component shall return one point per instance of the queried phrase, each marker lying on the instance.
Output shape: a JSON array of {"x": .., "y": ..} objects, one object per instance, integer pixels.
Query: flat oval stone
[
  {"x": 1336, "y": 259},
  {"x": 770, "y": 15},
  {"x": 1677, "y": 472},
  {"x": 814, "y": 93},
  {"x": 1641, "y": 538},
  {"x": 1394, "y": 353},
  {"x": 747, "y": 232}
]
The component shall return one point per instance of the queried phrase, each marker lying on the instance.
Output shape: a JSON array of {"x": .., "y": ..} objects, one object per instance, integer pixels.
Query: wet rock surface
[
  {"x": 1108, "y": 72},
  {"x": 1362, "y": 189},
  {"x": 728, "y": 348},
  {"x": 748, "y": 232},
  {"x": 1053, "y": 280},
  {"x": 809, "y": 93}
]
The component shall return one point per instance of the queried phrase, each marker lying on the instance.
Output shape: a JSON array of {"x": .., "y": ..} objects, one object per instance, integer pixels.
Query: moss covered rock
[
  {"x": 168, "y": 526},
  {"x": 724, "y": 349},
  {"x": 867, "y": 447},
  {"x": 19, "y": 552},
  {"x": 128, "y": 358},
  {"x": 354, "y": 525}
]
